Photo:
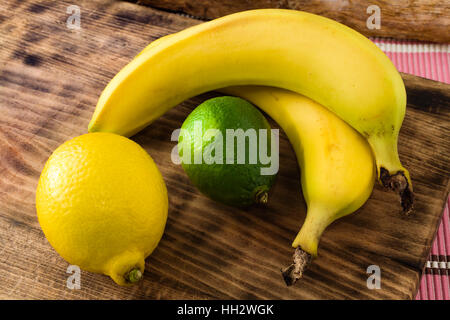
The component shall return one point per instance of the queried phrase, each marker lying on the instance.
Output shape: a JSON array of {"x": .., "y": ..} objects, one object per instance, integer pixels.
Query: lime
[{"x": 224, "y": 146}]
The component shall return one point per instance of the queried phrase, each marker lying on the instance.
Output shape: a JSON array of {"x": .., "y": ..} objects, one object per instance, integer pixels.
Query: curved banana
[
  {"x": 336, "y": 163},
  {"x": 308, "y": 54},
  {"x": 337, "y": 169}
]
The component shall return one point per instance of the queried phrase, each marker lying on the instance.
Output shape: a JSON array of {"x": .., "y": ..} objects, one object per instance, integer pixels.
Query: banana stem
[
  {"x": 400, "y": 184},
  {"x": 391, "y": 174},
  {"x": 300, "y": 262}
]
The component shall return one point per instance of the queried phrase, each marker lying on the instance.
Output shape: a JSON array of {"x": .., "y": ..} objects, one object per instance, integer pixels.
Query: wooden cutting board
[{"x": 50, "y": 79}]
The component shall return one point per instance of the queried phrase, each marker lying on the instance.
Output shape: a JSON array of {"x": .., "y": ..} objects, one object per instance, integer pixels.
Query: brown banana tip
[
  {"x": 300, "y": 262},
  {"x": 398, "y": 183}
]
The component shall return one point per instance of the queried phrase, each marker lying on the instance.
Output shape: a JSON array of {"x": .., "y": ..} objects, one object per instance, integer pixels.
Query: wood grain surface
[
  {"x": 50, "y": 79},
  {"x": 405, "y": 19}
]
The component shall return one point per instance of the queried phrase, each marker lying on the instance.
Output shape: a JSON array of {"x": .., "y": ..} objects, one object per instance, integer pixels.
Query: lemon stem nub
[
  {"x": 261, "y": 197},
  {"x": 134, "y": 276},
  {"x": 300, "y": 262}
]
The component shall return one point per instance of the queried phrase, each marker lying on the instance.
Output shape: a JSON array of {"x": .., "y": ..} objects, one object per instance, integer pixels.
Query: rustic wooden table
[{"x": 50, "y": 79}]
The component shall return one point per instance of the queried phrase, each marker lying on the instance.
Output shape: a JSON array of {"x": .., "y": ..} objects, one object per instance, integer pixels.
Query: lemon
[{"x": 102, "y": 204}]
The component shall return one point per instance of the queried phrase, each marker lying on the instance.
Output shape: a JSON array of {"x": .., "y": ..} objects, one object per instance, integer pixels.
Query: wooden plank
[
  {"x": 50, "y": 79},
  {"x": 427, "y": 20}
]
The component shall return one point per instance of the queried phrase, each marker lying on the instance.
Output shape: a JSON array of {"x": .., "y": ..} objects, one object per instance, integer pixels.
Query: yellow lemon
[{"x": 102, "y": 204}]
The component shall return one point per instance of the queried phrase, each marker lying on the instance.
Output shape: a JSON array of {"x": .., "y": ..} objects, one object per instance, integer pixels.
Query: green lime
[{"x": 225, "y": 146}]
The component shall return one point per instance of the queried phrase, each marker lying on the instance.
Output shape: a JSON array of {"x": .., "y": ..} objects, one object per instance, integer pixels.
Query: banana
[
  {"x": 305, "y": 53},
  {"x": 336, "y": 163}
]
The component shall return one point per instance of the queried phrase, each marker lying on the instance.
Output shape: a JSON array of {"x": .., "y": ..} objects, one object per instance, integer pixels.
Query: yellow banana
[
  {"x": 336, "y": 163},
  {"x": 308, "y": 54}
]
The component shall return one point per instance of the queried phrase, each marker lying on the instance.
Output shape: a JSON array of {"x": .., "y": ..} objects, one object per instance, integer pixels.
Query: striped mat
[{"x": 430, "y": 61}]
